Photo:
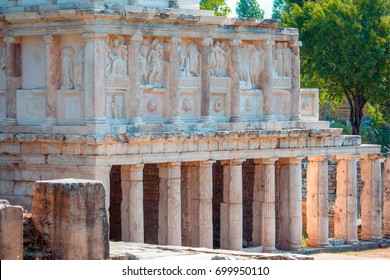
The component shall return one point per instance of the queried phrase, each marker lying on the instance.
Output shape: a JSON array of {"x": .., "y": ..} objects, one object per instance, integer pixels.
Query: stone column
[
  {"x": 386, "y": 199},
  {"x": 169, "y": 220},
  {"x": 202, "y": 208},
  {"x": 231, "y": 207},
  {"x": 134, "y": 102},
  {"x": 345, "y": 217},
  {"x": 13, "y": 72},
  {"x": 132, "y": 206},
  {"x": 295, "y": 82},
  {"x": 291, "y": 203},
  {"x": 267, "y": 83},
  {"x": 95, "y": 78},
  {"x": 370, "y": 198},
  {"x": 235, "y": 89},
  {"x": 174, "y": 80},
  {"x": 205, "y": 80},
  {"x": 317, "y": 201},
  {"x": 52, "y": 78},
  {"x": 264, "y": 204}
]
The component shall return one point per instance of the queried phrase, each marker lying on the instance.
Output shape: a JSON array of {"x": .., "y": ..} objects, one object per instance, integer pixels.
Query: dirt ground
[{"x": 374, "y": 254}]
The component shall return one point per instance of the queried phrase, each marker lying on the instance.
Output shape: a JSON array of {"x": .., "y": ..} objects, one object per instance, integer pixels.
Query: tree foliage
[
  {"x": 249, "y": 9},
  {"x": 346, "y": 47},
  {"x": 219, "y": 7}
]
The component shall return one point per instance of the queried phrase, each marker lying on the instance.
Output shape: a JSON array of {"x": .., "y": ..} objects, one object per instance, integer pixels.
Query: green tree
[
  {"x": 249, "y": 9},
  {"x": 345, "y": 52},
  {"x": 281, "y": 6},
  {"x": 219, "y": 7}
]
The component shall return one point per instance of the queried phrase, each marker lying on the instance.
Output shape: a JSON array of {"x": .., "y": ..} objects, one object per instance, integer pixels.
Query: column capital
[
  {"x": 94, "y": 35},
  {"x": 137, "y": 37},
  {"x": 175, "y": 40},
  {"x": 236, "y": 42},
  {"x": 317, "y": 158},
  {"x": 369, "y": 156},
  {"x": 292, "y": 160},
  {"x": 232, "y": 161},
  {"x": 347, "y": 157},
  {"x": 48, "y": 39},
  {"x": 269, "y": 43},
  {"x": 267, "y": 161},
  {"x": 206, "y": 163},
  {"x": 208, "y": 41},
  {"x": 9, "y": 39}
]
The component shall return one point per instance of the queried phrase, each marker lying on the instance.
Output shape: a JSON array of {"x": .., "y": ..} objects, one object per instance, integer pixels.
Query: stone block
[
  {"x": 11, "y": 231},
  {"x": 71, "y": 216}
]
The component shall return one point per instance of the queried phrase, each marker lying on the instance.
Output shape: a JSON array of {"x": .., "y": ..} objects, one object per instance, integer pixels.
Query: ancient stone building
[{"x": 195, "y": 124}]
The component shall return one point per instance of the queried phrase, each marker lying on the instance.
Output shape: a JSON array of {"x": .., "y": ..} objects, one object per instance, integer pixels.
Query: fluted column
[
  {"x": 345, "y": 217},
  {"x": 295, "y": 82},
  {"x": 174, "y": 80},
  {"x": 13, "y": 73},
  {"x": 169, "y": 220},
  {"x": 95, "y": 78},
  {"x": 291, "y": 203},
  {"x": 231, "y": 207},
  {"x": 317, "y": 201},
  {"x": 370, "y": 198},
  {"x": 386, "y": 199},
  {"x": 264, "y": 204},
  {"x": 267, "y": 83},
  {"x": 52, "y": 77},
  {"x": 205, "y": 80},
  {"x": 134, "y": 102},
  {"x": 201, "y": 202},
  {"x": 235, "y": 88},
  {"x": 132, "y": 207}
]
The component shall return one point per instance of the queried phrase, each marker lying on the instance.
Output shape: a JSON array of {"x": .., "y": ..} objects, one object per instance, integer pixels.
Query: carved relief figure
[
  {"x": 117, "y": 57},
  {"x": 115, "y": 109},
  {"x": 254, "y": 65},
  {"x": 67, "y": 57},
  {"x": 286, "y": 60},
  {"x": 278, "y": 61},
  {"x": 219, "y": 57},
  {"x": 244, "y": 64},
  {"x": 79, "y": 70},
  {"x": 184, "y": 70},
  {"x": 3, "y": 65},
  {"x": 155, "y": 55},
  {"x": 193, "y": 59},
  {"x": 143, "y": 64}
]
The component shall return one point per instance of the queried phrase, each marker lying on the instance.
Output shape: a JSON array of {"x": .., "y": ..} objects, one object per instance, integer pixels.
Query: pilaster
[
  {"x": 174, "y": 80},
  {"x": 267, "y": 83},
  {"x": 205, "y": 80},
  {"x": 295, "y": 81},
  {"x": 134, "y": 102},
  {"x": 95, "y": 78},
  {"x": 235, "y": 87}
]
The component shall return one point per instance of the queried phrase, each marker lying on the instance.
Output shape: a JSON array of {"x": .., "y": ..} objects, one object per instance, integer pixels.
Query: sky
[{"x": 266, "y": 5}]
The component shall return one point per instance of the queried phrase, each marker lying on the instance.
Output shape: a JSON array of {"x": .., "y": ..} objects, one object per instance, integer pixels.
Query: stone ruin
[{"x": 196, "y": 125}]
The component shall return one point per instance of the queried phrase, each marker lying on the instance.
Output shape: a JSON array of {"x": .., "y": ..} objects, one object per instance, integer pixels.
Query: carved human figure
[
  {"x": 286, "y": 59},
  {"x": 115, "y": 109},
  {"x": 219, "y": 59},
  {"x": 67, "y": 57},
  {"x": 193, "y": 59},
  {"x": 254, "y": 65},
  {"x": 244, "y": 64},
  {"x": 3, "y": 65},
  {"x": 183, "y": 62},
  {"x": 144, "y": 51},
  {"x": 117, "y": 57},
  {"x": 278, "y": 61},
  {"x": 154, "y": 60},
  {"x": 78, "y": 70}
]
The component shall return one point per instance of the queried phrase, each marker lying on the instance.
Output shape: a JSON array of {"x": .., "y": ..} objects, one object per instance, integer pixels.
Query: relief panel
[
  {"x": 153, "y": 105},
  {"x": 250, "y": 103},
  {"x": 189, "y": 106},
  {"x": 70, "y": 107},
  {"x": 220, "y": 106},
  {"x": 281, "y": 105},
  {"x": 310, "y": 104},
  {"x": 30, "y": 106},
  {"x": 115, "y": 106}
]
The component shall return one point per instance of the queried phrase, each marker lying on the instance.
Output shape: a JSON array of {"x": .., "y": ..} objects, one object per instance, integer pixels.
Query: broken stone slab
[
  {"x": 11, "y": 231},
  {"x": 71, "y": 216}
]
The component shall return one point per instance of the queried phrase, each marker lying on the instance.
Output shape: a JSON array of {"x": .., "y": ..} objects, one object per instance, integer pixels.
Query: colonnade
[{"x": 265, "y": 202}]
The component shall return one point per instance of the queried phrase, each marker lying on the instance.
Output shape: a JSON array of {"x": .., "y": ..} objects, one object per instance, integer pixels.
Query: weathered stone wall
[
  {"x": 11, "y": 231},
  {"x": 71, "y": 216}
]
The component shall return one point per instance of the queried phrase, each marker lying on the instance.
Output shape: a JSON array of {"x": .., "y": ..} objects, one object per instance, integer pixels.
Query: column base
[
  {"x": 318, "y": 245},
  {"x": 175, "y": 120},
  {"x": 352, "y": 242},
  {"x": 10, "y": 121},
  {"x": 136, "y": 121},
  {"x": 205, "y": 119},
  {"x": 235, "y": 119},
  {"x": 296, "y": 118},
  {"x": 50, "y": 121},
  {"x": 270, "y": 249},
  {"x": 96, "y": 121}
]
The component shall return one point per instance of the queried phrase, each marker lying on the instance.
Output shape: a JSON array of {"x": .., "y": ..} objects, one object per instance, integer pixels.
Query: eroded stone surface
[
  {"x": 71, "y": 216},
  {"x": 11, "y": 231}
]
